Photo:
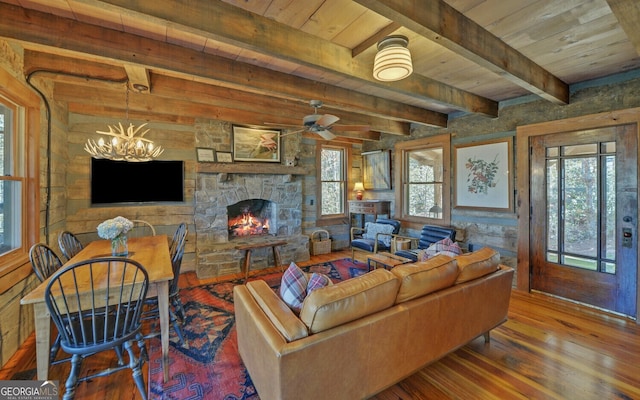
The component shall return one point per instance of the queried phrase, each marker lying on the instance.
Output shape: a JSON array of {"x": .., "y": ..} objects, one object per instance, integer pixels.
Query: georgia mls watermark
[{"x": 29, "y": 390}]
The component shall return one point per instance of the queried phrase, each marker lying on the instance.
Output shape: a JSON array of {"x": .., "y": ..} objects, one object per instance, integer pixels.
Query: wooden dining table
[{"x": 150, "y": 251}]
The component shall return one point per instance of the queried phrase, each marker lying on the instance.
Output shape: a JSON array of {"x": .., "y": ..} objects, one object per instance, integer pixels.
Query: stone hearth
[{"x": 215, "y": 251}]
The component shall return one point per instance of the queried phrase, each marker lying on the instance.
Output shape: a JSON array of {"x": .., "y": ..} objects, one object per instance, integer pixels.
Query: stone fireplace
[{"x": 223, "y": 204}]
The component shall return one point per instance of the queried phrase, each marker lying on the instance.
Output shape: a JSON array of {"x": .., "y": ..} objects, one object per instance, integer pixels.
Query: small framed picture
[
  {"x": 205, "y": 154},
  {"x": 223, "y": 157}
]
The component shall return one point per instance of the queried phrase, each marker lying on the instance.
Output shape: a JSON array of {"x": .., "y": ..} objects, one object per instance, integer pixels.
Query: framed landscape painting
[
  {"x": 483, "y": 175},
  {"x": 253, "y": 144}
]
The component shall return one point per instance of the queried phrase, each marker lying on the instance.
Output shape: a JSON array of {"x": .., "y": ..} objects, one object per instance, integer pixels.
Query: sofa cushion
[
  {"x": 279, "y": 313},
  {"x": 476, "y": 264},
  {"x": 422, "y": 278},
  {"x": 293, "y": 287},
  {"x": 349, "y": 300},
  {"x": 373, "y": 228}
]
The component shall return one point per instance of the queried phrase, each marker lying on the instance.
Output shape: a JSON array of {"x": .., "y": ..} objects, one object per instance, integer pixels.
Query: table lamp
[{"x": 358, "y": 188}]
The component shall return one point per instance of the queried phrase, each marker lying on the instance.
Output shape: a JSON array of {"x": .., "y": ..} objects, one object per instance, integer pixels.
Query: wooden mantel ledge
[{"x": 250, "y": 168}]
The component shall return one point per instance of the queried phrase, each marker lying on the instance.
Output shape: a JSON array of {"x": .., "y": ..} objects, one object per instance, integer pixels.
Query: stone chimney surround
[{"x": 219, "y": 185}]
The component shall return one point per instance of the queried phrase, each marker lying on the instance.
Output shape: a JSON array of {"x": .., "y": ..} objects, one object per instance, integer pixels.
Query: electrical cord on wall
[{"x": 47, "y": 214}]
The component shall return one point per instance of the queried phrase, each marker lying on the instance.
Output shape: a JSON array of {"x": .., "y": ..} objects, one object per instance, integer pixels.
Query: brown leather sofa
[{"x": 360, "y": 336}]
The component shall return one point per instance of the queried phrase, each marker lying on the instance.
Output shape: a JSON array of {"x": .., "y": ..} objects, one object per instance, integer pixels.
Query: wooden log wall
[{"x": 82, "y": 218}]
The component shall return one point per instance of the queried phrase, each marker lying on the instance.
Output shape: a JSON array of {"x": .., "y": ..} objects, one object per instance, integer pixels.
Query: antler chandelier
[{"x": 124, "y": 145}]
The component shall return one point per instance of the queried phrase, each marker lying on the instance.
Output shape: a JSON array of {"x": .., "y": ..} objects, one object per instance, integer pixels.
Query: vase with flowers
[{"x": 116, "y": 230}]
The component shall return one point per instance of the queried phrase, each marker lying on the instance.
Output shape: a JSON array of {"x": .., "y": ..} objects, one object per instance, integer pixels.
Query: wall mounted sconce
[
  {"x": 393, "y": 60},
  {"x": 359, "y": 189}
]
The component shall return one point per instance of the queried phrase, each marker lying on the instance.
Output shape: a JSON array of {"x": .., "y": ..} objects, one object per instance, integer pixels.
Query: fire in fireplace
[{"x": 252, "y": 217}]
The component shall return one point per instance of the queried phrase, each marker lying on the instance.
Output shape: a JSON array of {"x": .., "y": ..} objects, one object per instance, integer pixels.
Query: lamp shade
[
  {"x": 393, "y": 60},
  {"x": 358, "y": 188}
]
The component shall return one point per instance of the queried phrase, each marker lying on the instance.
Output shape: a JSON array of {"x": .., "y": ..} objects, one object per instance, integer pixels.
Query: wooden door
[{"x": 584, "y": 216}]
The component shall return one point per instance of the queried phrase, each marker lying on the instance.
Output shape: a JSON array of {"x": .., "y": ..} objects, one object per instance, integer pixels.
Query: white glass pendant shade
[{"x": 393, "y": 60}]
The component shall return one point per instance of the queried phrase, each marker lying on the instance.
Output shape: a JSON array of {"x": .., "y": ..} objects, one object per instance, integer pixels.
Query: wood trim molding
[{"x": 250, "y": 168}]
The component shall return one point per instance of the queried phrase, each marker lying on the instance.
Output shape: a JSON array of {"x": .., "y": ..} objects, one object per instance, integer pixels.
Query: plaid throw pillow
[
  {"x": 445, "y": 246},
  {"x": 293, "y": 287},
  {"x": 317, "y": 281}
]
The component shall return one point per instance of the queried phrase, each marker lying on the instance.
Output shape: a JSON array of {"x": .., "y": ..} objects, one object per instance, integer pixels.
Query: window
[
  {"x": 19, "y": 209},
  {"x": 422, "y": 168},
  {"x": 333, "y": 181},
  {"x": 581, "y": 205},
  {"x": 11, "y": 182}
]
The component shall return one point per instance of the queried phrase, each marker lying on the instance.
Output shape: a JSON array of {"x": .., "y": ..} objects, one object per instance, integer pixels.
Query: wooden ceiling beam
[
  {"x": 135, "y": 115},
  {"x": 149, "y": 107},
  {"x": 222, "y": 22},
  {"x": 279, "y": 111},
  {"x": 99, "y": 110},
  {"x": 373, "y": 40},
  {"x": 628, "y": 14},
  {"x": 61, "y": 67},
  {"x": 138, "y": 78},
  {"x": 441, "y": 23},
  {"x": 69, "y": 38}
]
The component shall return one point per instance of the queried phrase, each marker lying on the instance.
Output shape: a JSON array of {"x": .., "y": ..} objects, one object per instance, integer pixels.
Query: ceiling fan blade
[
  {"x": 326, "y": 135},
  {"x": 327, "y": 120}
]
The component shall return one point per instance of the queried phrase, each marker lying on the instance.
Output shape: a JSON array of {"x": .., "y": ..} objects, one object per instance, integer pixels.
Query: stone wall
[{"x": 216, "y": 253}]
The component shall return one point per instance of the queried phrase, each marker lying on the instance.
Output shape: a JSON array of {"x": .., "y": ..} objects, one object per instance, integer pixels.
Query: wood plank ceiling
[{"x": 261, "y": 61}]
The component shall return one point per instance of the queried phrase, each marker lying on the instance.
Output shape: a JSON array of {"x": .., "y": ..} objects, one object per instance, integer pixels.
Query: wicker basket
[{"x": 320, "y": 245}]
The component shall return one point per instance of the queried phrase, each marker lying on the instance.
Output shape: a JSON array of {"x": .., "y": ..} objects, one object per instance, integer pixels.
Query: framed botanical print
[{"x": 483, "y": 175}]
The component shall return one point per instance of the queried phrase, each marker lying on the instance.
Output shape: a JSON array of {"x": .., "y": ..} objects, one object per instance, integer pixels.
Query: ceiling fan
[{"x": 321, "y": 123}]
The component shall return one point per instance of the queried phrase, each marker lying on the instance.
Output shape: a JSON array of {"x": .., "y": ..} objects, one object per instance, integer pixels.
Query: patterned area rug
[{"x": 209, "y": 367}]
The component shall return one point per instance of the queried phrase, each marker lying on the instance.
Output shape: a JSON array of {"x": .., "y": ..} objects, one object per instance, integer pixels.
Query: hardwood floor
[{"x": 548, "y": 349}]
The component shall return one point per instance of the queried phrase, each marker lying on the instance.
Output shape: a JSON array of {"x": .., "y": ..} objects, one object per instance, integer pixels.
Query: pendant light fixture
[
  {"x": 124, "y": 145},
  {"x": 393, "y": 60}
]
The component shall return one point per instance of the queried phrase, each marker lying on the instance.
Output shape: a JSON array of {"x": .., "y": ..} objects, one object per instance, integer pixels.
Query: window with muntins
[
  {"x": 11, "y": 180},
  {"x": 422, "y": 168},
  {"x": 333, "y": 181}
]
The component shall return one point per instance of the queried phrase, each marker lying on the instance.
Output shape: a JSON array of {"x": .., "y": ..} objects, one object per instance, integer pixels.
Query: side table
[
  {"x": 387, "y": 260},
  {"x": 400, "y": 244},
  {"x": 258, "y": 245},
  {"x": 372, "y": 207}
]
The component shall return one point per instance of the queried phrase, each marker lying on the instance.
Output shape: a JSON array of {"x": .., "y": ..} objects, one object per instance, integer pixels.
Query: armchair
[
  {"x": 374, "y": 237},
  {"x": 429, "y": 235}
]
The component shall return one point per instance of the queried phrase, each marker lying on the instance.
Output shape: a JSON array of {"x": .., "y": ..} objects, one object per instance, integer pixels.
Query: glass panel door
[{"x": 584, "y": 220}]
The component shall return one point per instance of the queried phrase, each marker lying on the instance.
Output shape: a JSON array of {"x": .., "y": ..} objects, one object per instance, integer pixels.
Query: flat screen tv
[{"x": 136, "y": 182}]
